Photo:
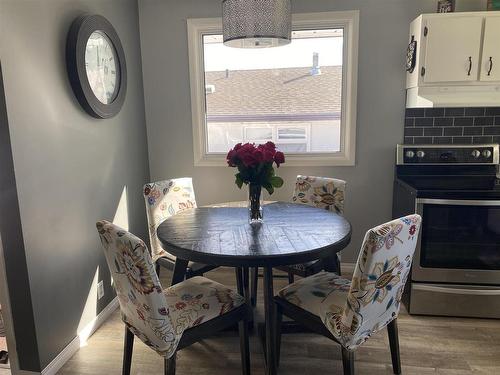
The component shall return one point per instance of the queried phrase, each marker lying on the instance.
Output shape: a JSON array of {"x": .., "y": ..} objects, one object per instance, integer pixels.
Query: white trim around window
[{"x": 348, "y": 20}]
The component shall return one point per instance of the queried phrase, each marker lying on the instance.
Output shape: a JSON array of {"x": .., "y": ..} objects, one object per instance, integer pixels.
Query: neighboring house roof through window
[{"x": 288, "y": 94}]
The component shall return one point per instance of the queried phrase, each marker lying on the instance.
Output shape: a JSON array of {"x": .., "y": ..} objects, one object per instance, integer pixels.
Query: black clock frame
[{"x": 76, "y": 44}]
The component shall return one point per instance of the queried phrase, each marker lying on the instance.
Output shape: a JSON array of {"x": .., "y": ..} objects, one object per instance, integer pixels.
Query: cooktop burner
[{"x": 468, "y": 172}]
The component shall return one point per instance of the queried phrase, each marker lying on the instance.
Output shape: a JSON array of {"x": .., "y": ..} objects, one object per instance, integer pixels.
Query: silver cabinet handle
[
  {"x": 470, "y": 66},
  {"x": 491, "y": 65},
  {"x": 451, "y": 290}
]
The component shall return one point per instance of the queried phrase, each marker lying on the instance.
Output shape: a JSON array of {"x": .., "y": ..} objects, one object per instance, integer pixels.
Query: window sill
[{"x": 318, "y": 160}]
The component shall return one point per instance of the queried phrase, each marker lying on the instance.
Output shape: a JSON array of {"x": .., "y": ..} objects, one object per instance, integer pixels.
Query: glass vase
[{"x": 255, "y": 203}]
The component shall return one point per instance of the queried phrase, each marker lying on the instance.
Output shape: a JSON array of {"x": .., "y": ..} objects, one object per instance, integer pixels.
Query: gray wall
[
  {"x": 384, "y": 26},
  {"x": 70, "y": 169},
  {"x": 12, "y": 250}
]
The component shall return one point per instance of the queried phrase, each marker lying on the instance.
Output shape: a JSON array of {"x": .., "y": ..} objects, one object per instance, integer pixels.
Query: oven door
[{"x": 459, "y": 242}]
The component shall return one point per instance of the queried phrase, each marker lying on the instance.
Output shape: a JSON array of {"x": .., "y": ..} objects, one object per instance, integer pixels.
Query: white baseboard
[{"x": 80, "y": 339}]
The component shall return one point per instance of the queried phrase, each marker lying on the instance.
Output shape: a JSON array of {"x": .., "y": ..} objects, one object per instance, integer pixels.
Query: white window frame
[{"x": 348, "y": 20}]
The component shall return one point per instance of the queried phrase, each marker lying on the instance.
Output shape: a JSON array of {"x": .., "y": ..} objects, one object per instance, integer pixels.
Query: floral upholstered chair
[
  {"x": 350, "y": 311},
  {"x": 322, "y": 192},
  {"x": 164, "y": 199},
  {"x": 169, "y": 319}
]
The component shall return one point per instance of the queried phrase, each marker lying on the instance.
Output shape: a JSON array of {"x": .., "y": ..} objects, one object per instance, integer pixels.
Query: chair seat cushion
[
  {"x": 197, "y": 300},
  {"x": 189, "y": 303},
  {"x": 309, "y": 293}
]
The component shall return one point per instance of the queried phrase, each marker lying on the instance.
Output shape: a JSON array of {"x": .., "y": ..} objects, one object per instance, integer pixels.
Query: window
[{"x": 301, "y": 96}]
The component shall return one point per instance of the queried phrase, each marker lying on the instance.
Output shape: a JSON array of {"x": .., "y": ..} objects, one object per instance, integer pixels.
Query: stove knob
[
  {"x": 420, "y": 154},
  {"x": 410, "y": 154},
  {"x": 486, "y": 153},
  {"x": 475, "y": 154}
]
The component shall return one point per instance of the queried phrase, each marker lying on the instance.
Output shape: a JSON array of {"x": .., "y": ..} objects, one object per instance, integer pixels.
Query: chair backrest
[
  {"x": 323, "y": 192},
  {"x": 163, "y": 200},
  {"x": 142, "y": 302},
  {"x": 379, "y": 279}
]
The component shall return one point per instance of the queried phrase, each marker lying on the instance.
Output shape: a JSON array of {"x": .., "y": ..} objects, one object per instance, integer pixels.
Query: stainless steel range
[{"x": 456, "y": 190}]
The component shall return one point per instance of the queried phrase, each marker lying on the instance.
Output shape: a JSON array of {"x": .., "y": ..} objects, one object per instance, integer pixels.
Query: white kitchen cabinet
[
  {"x": 490, "y": 65},
  {"x": 452, "y": 49},
  {"x": 457, "y": 60}
]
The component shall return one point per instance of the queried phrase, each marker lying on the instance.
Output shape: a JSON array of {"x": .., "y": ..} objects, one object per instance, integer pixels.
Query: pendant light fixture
[{"x": 256, "y": 23}]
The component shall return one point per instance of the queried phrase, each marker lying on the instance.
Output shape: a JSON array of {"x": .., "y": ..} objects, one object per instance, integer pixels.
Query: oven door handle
[
  {"x": 452, "y": 290},
  {"x": 458, "y": 202}
]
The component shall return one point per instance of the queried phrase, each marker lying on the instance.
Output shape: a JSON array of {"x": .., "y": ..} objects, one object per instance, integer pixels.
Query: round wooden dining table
[{"x": 221, "y": 236}]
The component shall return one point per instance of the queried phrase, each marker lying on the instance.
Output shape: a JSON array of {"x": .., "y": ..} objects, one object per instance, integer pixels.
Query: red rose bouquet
[{"x": 255, "y": 168}]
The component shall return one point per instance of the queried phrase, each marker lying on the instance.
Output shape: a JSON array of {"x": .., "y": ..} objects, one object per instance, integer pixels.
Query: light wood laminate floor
[{"x": 429, "y": 345}]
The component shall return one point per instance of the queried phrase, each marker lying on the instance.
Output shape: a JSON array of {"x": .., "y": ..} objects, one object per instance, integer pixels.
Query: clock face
[{"x": 102, "y": 67}]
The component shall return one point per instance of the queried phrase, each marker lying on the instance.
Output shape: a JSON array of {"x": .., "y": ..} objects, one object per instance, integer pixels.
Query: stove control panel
[{"x": 447, "y": 154}]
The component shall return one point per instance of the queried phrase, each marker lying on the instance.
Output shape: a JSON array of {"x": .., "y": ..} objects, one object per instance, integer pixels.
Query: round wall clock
[{"x": 96, "y": 66}]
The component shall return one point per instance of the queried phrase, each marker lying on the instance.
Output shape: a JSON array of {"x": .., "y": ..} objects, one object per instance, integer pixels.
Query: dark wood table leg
[
  {"x": 239, "y": 281},
  {"x": 270, "y": 313},
  {"x": 242, "y": 279},
  {"x": 246, "y": 285},
  {"x": 179, "y": 271},
  {"x": 254, "y": 282},
  {"x": 332, "y": 264}
]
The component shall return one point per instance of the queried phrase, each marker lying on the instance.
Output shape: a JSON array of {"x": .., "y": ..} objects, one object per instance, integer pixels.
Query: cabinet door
[
  {"x": 490, "y": 65},
  {"x": 452, "y": 49}
]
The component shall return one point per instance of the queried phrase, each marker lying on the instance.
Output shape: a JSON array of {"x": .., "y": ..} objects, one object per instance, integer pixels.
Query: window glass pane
[
  {"x": 291, "y": 133},
  {"x": 258, "y": 134},
  {"x": 300, "y": 83},
  {"x": 295, "y": 148}
]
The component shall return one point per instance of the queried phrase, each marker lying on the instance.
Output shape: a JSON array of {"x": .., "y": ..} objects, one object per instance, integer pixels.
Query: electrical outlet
[{"x": 100, "y": 290}]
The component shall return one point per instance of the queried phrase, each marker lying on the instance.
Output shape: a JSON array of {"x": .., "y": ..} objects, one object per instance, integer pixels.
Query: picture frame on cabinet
[{"x": 446, "y": 6}]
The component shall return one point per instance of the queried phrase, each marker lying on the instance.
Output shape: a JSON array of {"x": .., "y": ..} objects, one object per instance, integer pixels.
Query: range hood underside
[{"x": 453, "y": 96}]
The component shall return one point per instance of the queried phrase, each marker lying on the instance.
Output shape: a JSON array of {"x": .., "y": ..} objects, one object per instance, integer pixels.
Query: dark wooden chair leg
[
  {"x": 246, "y": 284},
  {"x": 392, "y": 329},
  {"x": 279, "y": 321},
  {"x": 180, "y": 269},
  {"x": 291, "y": 278},
  {"x": 244, "y": 346},
  {"x": 348, "y": 361},
  {"x": 254, "y": 280},
  {"x": 170, "y": 365},
  {"x": 157, "y": 269},
  {"x": 239, "y": 280},
  {"x": 128, "y": 347},
  {"x": 269, "y": 313},
  {"x": 339, "y": 269}
]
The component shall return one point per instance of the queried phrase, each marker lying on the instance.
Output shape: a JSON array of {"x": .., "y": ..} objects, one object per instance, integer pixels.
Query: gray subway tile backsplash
[
  {"x": 471, "y": 125},
  {"x": 434, "y": 112},
  {"x": 484, "y": 121},
  {"x": 463, "y": 121},
  {"x": 475, "y": 111},
  {"x": 454, "y": 112},
  {"x": 493, "y": 111},
  {"x": 443, "y": 121},
  {"x": 473, "y": 130},
  {"x": 424, "y": 121},
  {"x": 433, "y": 132},
  {"x": 454, "y": 131},
  {"x": 491, "y": 130}
]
